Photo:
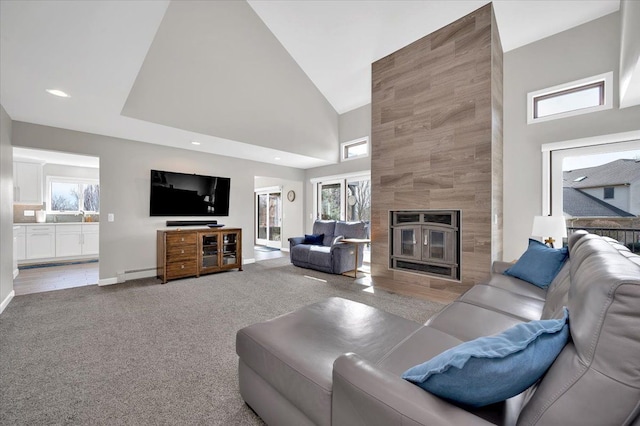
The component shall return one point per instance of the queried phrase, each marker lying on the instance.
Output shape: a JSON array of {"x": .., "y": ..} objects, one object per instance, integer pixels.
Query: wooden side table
[{"x": 356, "y": 242}]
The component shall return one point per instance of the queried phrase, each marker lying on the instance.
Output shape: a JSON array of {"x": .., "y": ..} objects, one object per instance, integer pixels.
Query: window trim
[
  {"x": 605, "y": 80},
  {"x": 344, "y": 146},
  {"x": 67, "y": 179},
  {"x": 552, "y": 167}
]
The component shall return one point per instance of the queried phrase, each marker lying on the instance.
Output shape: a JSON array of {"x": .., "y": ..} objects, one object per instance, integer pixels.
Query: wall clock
[{"x": 291, "y": 195}]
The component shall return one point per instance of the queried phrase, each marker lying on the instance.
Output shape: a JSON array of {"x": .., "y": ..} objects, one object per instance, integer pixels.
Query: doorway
[
  {"x": 56, "y": 215},
  {"x": 268, "y": 203}
]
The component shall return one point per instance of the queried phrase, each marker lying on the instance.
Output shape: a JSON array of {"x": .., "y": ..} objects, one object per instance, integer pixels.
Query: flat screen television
[{"x": 181, "y": 194}]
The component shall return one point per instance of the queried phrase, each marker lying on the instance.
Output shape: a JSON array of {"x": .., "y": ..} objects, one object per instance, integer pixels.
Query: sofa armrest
[
  {"x": 498, "y": 267},
  {"x": 363, "y": 394},
  {"x": 294, "y": 241}
]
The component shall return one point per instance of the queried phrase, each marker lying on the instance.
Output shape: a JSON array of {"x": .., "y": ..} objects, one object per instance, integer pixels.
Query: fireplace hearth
[{"x": 426, "y": 242}]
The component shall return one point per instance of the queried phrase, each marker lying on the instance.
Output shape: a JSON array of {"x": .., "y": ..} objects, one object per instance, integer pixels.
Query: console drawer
[
  {"x": 181, "y": 252},
  {"x": 183, "y": 268},
  {"x": 181, "y": 238}
]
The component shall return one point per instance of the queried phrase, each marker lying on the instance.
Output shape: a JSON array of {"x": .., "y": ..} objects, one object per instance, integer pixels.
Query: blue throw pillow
[
  {"x": 539, "y": 265},
  {"x": 491, "y": 369},
  {"x": 313, "y": 239}
]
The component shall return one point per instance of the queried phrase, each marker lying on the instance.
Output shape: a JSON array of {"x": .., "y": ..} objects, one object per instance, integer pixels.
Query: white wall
[
  {"x": 630, "y": 53},
  {"x": 292, "y": 211},
  {"x": 6, "y": 210},
  {"x": 129, "y": 243},
  {"x": 352, "y": 125},
  {"x": 589, "y": 49}
]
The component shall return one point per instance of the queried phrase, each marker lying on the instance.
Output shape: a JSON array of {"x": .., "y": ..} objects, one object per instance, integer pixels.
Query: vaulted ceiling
[{"x": 262, "y": 80}]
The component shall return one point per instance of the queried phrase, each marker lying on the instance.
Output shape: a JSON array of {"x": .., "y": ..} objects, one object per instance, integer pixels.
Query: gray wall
[
  {"x": 6, "y": 207},
  {"x": 353, "y": 125},
  {"x": 589, "y": 49},
  {"x": 236, "y": 81},
  {"x": 129, "y": 243}
]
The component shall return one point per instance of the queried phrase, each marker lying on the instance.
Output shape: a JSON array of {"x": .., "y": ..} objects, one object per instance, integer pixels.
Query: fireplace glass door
[
  {"x": 437, "y": 245},
  {"x": 407, "y": 242}
]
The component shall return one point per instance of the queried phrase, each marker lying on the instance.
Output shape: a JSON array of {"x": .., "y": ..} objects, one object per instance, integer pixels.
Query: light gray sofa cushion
[{"x": 294, "y": 353}]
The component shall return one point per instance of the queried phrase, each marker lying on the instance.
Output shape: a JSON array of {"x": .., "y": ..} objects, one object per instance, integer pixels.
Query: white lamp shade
[{"x": 549, "y": 226}]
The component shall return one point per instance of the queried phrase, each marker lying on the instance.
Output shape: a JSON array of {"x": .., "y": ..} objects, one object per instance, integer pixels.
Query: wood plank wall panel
[{"x": 437, "y": 144}]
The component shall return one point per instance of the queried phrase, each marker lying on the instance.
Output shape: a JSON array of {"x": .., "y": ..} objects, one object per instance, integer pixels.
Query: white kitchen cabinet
[
  {"x": 19, "y": 232},
  {"x": 68, "y": 240},
  {"x": 27, "y": 182},
  {"x": 16, "y": 229},
  {"x": 41, "y": 241},
  {"x": 90, "y": 238}
]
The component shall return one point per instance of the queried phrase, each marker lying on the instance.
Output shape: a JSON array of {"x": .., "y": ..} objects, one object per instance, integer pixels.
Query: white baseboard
[
  {"x": 135, "y": 275},
  {"x": 285, "y": 249},
  {"x": 15, "y": 273},
  {"x": 6, "y": 300},
  {"x": 107, "y": 281},
  {"x": 248, "y": 261},
  {"x": 126, "y": 276}
]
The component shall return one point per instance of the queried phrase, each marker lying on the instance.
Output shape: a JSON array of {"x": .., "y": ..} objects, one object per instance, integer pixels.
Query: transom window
[
  {"x": 354, "y": 149},
  {"x": 73, "y": 195},
  {"x": 577, "y": 97}
]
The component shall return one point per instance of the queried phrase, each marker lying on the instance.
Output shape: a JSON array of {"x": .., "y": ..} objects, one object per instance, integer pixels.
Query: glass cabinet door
[
  {"x": 230, "y": 249},
  {"x": 209, "y": 251}
]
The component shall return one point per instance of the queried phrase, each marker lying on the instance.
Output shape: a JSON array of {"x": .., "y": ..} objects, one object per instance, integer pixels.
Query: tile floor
[{"x": 37, "y": 280}]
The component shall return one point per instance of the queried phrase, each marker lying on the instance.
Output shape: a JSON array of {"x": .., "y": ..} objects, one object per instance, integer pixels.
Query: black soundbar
[{"x": 190, "y": 222}]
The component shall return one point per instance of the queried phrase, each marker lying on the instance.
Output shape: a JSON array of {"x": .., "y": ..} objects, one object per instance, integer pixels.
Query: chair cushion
[
  {"x": 351, "y": 229},
  {"x": 314, "y": 239},
  {"x": 326, "y": 227},
  {"x": 539, "y": 265},
  {"x": 491, "y": 369}
]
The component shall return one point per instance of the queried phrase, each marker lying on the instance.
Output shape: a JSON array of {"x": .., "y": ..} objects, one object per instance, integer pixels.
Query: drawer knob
[
  {"x": 182, "y": 238},
  {"x": 182, "y": 251},
  {"x": 182, "y": 266}
]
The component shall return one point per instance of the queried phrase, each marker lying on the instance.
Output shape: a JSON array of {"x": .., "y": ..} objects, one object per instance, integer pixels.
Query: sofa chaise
[
  {"x": 339, "y": 362},
  {"x": 327, "y": 253}
]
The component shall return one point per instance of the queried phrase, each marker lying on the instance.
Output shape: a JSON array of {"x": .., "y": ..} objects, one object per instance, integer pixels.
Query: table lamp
[{"x": 549, "y": 227}]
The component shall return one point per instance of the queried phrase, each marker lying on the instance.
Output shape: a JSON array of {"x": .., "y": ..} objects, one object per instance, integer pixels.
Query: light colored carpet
[{"x": 144, "y": 353}]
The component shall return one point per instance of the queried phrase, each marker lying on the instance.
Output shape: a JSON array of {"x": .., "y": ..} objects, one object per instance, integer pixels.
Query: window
[
  {"x": 354, "y": 149},
  {"x": 569, "y": 99},
  {"x": 72, "y": 194},
  {"x": 608, "y": 192}
]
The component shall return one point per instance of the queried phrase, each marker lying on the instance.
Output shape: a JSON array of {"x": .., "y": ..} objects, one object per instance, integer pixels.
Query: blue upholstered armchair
[{"x": 323, "y": 250}]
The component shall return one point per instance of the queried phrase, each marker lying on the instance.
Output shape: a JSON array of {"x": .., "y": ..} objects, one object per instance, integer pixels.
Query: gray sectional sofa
[
  {"x": 339, "y": 362},
  {"x": 331, "y": 256}
]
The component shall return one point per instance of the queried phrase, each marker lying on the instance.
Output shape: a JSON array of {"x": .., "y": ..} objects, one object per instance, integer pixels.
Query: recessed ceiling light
[
  {"x": 195, "y": 143},
  {"x": 276, "y": 158},
  {"x": 56, "y": 92}
]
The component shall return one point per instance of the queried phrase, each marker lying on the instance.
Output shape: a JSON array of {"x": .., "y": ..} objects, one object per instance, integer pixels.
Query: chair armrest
[
  {"x": 294, "y": 241},
  {"x": 340, "y": 246},
  {"x": 363, "y": 394},
  {"x": 498, "y": 267}
]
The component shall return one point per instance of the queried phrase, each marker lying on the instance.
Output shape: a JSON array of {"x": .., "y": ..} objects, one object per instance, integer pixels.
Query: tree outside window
[{"x": 74, "y": 196}]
